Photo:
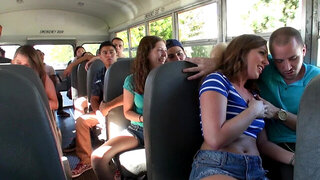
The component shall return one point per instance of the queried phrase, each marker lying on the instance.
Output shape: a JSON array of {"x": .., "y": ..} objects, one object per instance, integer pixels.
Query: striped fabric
[{"x": 235, "y": 105}]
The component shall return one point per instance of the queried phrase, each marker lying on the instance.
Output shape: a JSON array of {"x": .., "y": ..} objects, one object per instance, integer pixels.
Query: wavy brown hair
[
  {"x": 235, "y": 56},
  {"x": 34, "y": 60},
  {"x": 141, "y": 64}
]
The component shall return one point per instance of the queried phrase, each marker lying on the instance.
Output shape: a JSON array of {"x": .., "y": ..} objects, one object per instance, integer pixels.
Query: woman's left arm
[
  {"x": 128, "y": 104},
  {"x": 51, "y": 93}
]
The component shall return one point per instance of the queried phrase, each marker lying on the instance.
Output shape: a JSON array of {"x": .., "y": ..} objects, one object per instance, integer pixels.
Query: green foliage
[
  {"x": 124, "y": 37},
  {"x": 137, "y": 33},
  {"x": 288, "y": 10},
  {"x": 201, "y": 51},
  {"x": 91, "y": 48},
  {"x": 263, "y": 16},
  {"x": 60, "y": 54},
  {"x": 190, "y": 25},
  {"x": 162, "y": 28}
]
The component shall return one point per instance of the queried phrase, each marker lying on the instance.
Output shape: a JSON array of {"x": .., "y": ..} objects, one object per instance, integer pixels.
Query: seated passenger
[
  {"x": 118, "y": 43},
  {"x": 2, "y": 52},
  {"x": 175, "y": 50},
  {"x": 52, "y": 75},
  {"x": 87, "y": 121},
  {"x": 204, "y": 65},
  {"x": 85, "y": 56},
  {"x": 3, "y": 59},
  {"x": 151, "y": 53},
  {"x": 283, "y": 83},
  {"x": 231, "y": 116},
  {"x": 77, "y": 54},
  {"x": 26, "y": 55}
]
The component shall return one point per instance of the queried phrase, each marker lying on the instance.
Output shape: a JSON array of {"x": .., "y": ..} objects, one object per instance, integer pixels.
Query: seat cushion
[{"x": 133, "y": 163}]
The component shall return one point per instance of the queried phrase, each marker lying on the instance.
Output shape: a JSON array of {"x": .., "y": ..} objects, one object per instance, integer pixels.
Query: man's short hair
[
  {"x": 106, "y": 43},
  {"x": 283, "y": 36},
  {"x": 116, "y": 38},
  {"x": 173, "y": 42}
]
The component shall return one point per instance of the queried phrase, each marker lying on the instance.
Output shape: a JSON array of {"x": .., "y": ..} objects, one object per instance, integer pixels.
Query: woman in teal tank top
[{"x": 151, "y": 53}]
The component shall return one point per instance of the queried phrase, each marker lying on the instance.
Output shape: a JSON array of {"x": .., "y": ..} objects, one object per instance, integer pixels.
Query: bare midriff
[{"x": 244, "y": 145}]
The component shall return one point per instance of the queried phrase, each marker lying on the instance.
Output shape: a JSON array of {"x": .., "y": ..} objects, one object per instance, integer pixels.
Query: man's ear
[{"x": 304, "y": 50}]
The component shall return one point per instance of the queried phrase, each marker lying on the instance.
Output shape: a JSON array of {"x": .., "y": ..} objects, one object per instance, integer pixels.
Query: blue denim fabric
[
  {"x": 137, "y": 132},
  {"x": 207, "y": 163}
]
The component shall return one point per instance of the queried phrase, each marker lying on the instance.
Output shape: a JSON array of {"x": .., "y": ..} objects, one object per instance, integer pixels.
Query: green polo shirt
[
  {"x": 275, "y": 90},
  {"x": 138, "y": 98}
]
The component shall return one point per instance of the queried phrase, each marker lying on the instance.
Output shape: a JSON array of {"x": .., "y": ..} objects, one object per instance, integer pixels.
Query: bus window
[
  {"x": 198, "y": 51},
  {"x": 261, "y": 16},
  {"x": 194, "y": 24},
  {"x": 9, "y": 50},
  {"x": 136, "y": 34},
  {"x": 124, "y": 36},
  {"x": 161, "y": 27},
  {"x": 91, "y": 48},
  {"x": 56, "y": 56}
]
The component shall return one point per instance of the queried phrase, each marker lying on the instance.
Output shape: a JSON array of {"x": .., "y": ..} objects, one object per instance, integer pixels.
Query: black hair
[{"x": 106, "y": 43}]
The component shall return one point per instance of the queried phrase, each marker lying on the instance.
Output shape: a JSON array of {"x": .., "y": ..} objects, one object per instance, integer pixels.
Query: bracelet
[
  {"x": 291, "y": 160},
  {"x": 140, "y": 118}
]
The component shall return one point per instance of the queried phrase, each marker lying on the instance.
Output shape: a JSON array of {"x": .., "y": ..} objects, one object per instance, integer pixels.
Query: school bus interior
[{"x": 32, "y": 137}]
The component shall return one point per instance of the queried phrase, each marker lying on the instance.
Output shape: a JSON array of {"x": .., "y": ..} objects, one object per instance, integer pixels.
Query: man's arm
[
  {"x": 90, "y": 62},
  {"x": 105, "y": 107},
  {"x": 207, "y": 65},
  {"x": 204, "y": 67},
  {"x": 274, "y": 151},
  {"x": 68, "y": 70},
  {"x": 94, "y": 100},
  {"x": 272, "y": 113}
]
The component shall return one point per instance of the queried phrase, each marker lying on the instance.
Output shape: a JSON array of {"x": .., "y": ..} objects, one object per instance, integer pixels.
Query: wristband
[
  {"x": 291, "y": 160},
  {"x": 140, "y": 118}
]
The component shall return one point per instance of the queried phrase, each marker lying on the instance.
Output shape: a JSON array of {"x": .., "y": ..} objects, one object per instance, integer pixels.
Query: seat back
[
  {"x": 93, "y": 69},
  {"x": 122, "y": 59},
  {"x": 113, "y": 87},
  {"x": 74, "y": 83},
  {"x": 23, "y": 71},
  {"x": 307, "y": 152},
  {"x": 29, "y": 145},
  {"x": 171, "y": 121},
  {"x": 82, "y": 79}
]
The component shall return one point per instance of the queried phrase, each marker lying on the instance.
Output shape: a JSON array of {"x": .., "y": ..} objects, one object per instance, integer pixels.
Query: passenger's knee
[
  {"x": 80, "y": 103},
  {"x": 80, "y": 122},
  {"x": 101, "y": 155}
]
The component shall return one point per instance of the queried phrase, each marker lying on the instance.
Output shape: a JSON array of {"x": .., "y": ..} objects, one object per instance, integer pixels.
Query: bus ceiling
[{"x": 84, "y": 20}]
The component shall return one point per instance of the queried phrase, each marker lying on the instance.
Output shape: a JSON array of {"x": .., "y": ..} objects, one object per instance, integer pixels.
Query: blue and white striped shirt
[{"x": 235, "y": 105}]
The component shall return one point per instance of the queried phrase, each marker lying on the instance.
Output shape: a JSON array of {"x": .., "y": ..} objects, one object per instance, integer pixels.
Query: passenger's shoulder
[{"x": 311, "y": 70}]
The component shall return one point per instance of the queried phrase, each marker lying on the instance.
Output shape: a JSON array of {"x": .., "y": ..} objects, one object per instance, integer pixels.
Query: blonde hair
[{"x": 217, "y": 52}]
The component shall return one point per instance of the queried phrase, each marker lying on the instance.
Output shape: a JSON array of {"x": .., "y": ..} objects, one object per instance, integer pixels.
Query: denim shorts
[
  {"x": 207, "y": 163},
  {"x": 137, "y": 132}
]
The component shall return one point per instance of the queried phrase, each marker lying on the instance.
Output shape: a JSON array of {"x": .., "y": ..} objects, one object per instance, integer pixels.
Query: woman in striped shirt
[{"x": 232, "y": 115}]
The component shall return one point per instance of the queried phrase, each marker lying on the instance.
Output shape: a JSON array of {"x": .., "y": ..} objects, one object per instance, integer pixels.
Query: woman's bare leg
[{"x": 101, "y": 157}]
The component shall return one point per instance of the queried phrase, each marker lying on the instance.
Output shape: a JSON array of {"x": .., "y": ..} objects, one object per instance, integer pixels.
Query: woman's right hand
[{"x": 258, "y": 107}]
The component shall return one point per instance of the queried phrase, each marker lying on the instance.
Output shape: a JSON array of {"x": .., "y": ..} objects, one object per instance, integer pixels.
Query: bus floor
[{"x": 67, "y": 128}]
